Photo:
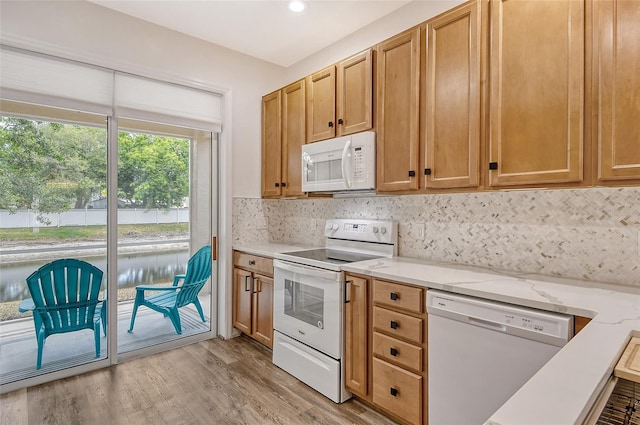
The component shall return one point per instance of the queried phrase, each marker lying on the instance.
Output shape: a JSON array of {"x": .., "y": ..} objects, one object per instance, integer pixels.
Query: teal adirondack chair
[
  {"x": 64, "y": 298},
  {"x": 171, "y": 298}
]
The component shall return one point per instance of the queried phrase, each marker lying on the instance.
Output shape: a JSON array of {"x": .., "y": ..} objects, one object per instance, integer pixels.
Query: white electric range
[{"x": 309, "y": 297}]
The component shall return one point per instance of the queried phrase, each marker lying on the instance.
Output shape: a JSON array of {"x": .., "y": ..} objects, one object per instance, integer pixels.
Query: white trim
[
  {"x": 112, "y": 238},
  {"x": 225, "y": 237}
]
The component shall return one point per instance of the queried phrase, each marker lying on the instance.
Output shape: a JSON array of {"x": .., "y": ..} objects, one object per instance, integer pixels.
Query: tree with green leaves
[
  {"x": 52, "y": 167},
  {"x": 153, "y": 170}
]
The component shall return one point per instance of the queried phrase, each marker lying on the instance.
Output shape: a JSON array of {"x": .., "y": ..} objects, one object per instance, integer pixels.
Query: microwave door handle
[{"x": 346, "y": 168}]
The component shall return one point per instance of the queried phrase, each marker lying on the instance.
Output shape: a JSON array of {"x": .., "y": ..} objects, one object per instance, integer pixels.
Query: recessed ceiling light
[{"x": 297, "y": 6}]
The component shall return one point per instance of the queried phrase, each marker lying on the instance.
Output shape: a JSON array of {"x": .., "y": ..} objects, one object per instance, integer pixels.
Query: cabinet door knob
[
  {"x": 427, "y": 171},
  {"x": 277, "y": 184},
  {"x": 340, "y": 121},
  {"x": 284, "y": 184},
  {"x": 393, "y": 391},
  {"x": 493, "y": 165},
  {"x": 393, "y": 296},
  {"x": 246, "y": 283},
  {"x": 330, "y": 124},
  {"x": 394, "y": 324},
  {"x": 412, "y": 173},
  {"x": 393, "y": 351},
  {"x": 252, "y": 262}
]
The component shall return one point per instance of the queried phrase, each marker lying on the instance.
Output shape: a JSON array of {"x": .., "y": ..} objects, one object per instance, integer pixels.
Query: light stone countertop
[{"x": 565, "y": 389}]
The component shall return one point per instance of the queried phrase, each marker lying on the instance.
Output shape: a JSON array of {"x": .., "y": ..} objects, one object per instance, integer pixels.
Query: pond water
[{"x": 133, "y": 269}]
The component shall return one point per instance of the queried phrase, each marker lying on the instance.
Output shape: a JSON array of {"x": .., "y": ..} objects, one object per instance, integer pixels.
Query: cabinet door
[
  {"x": 356, "y": 336},
  {"x": 398, "y": 89},
  {"x": 321, "y": 105},
  {"x": 354, "y": 94},
  {"x": 293, "y": 137},
  {"x": 263, "y": 310},
  {"x": 271, "y": 145},
  {"x": 242, "y": 287},
  {"x": 451, "y": 154},
  {"x": 617, "y": 61},
  {"x": 537, "y": 85}
]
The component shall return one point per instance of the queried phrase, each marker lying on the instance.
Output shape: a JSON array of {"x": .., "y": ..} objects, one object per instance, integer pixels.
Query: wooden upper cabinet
[
  {"x": 271, "y": 145},
  {"x": 321, "y": 105},
  {"x": 293, "y": 137},
  {"x": 397, "y": 116},
  {"x": 537, "y": 92},
  {"x": 354, "y": 94},
  {"x": 617, "y": 88},
  {"x": 452, "y": 136}
]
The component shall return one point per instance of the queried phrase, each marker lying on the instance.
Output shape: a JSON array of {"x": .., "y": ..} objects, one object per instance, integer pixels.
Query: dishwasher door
[{"x": 482, "y": 352}]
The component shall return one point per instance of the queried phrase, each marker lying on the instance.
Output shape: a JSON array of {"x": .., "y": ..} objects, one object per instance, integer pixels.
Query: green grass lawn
[{"x": 92, "y": 232}]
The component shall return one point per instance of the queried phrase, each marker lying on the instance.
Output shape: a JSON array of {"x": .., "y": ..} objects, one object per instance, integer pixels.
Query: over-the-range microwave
[{"x": 342, "y": 164}]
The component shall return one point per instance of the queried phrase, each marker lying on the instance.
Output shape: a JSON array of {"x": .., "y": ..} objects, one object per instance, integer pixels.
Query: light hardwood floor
[{"x": 211, "y": 382}]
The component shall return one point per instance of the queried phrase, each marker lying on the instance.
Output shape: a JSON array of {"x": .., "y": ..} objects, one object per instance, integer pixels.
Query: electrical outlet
[{"x": 418, "y": 231}]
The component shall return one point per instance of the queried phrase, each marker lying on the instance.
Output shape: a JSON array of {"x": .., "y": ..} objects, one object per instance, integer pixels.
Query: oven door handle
[{"x": 307, "y": 271}]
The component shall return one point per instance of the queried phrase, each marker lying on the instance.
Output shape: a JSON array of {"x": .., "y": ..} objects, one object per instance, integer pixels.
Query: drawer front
[
  {"x": 403, "y": 353},
  {"x": 398, "y": 391},
  {"x": 254, "y": 263},
  {"x": 399, "y": 296},
  {"x": 398, "y": 324}
]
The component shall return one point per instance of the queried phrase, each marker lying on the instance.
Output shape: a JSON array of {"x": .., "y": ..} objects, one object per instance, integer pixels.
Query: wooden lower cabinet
[
  {"x": 398, "y": 391},
  {"x": 385, "y": 347},
  {"x": 356, "y": 335},
  {"x": 252, "y": 312}
]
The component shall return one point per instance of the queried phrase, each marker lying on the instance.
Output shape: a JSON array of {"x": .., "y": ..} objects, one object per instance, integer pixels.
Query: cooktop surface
[{"x": 331, "y": 256}]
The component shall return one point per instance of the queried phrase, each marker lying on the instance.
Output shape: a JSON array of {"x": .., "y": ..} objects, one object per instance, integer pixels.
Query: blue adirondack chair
[
  {"x": 171, "y": 298},
  {"x": 64, "y": 298}
]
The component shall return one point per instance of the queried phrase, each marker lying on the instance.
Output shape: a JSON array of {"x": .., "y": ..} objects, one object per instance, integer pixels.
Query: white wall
[
  {"x": 90, "y": 33},
  {"x": 412, "y": 14}
]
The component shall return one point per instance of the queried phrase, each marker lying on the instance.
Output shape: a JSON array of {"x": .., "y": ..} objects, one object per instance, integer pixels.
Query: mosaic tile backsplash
[{"x": 589, "y": 234}]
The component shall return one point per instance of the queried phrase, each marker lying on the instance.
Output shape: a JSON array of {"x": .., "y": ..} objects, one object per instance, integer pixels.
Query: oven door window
[{"x": 304, "y": 302}]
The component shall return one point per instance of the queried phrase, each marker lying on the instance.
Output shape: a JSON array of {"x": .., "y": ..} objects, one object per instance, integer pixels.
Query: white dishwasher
[{"x": 481, "y": 352}]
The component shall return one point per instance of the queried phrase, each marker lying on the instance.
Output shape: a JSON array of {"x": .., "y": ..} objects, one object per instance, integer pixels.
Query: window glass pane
[
  {"x": 52, "y": 190},
  {"x": 154, "y": 244}
]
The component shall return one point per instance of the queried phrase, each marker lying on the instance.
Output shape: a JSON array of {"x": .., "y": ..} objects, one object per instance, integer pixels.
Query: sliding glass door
[
  {"x": 164, "y": 217},
  {"x": 53, "y": 186},
  {"x": 118, "y": 171}
]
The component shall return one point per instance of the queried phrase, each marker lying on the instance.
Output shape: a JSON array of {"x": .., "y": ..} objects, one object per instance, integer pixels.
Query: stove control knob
[
  {"x": 329, "y": 227},
  {"x": 335, "y": 227},
  {"x": 383, "y": 230},
  {"x": 375, "y": 230}
]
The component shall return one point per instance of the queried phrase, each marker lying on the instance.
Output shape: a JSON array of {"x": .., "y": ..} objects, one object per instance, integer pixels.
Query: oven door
[{"x": 308, "y": 306}]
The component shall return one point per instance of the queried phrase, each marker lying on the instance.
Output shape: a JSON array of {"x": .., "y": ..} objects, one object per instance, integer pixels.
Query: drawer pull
[
  {"x": 393, "y": 351},
  {"x": 394, "y": 324},
  {"x": 394, "y": 296},
  {"x": 252, "y": 262},
  {"x": 393, "y": 391}
]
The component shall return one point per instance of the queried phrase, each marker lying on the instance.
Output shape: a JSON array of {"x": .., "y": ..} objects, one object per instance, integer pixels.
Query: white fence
[{"x": 93, "y": 217}]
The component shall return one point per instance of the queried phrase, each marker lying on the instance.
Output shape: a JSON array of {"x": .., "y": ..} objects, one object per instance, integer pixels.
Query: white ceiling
[{"x": 264, "y": 29}]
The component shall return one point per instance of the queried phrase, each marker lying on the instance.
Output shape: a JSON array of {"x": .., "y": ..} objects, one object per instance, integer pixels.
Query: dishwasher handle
[{"x": 498, "y": 327}]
